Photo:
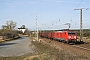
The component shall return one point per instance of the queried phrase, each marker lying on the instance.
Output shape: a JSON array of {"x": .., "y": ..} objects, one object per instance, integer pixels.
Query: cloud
[
  {"x": 7, "y": 4},
  {"x": 11, "y": 5},
  {"x": 76, "y": 2},
  {"x": 60, "y": 1},
  {"x": 48, "y": 0},
  {"x": 17, "y": 3},
  {"x": 32, "y": 2}
]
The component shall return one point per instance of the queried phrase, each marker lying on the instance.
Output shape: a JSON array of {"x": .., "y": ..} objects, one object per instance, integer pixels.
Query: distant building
[{"x": 21, "y": 29}]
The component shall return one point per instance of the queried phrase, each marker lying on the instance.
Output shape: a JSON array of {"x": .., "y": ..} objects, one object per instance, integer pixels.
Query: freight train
[{"x": 66, "y": 36}]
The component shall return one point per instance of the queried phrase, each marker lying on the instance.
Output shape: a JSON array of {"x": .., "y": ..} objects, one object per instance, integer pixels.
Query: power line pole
[
  {"x": 81, "y": 30},
  {"x": 36, "y": 28}
]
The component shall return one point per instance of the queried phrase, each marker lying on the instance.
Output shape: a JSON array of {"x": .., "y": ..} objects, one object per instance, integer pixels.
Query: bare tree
[
  {"x": 4, "y": 27},
  {"x": 10, "y": 25}
]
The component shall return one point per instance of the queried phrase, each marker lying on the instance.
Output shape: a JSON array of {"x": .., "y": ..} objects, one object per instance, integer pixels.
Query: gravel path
[{"x": 17, "y": 47}]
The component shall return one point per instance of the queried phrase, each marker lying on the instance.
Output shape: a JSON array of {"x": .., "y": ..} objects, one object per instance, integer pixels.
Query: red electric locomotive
[{"x": 65, "y": 36}]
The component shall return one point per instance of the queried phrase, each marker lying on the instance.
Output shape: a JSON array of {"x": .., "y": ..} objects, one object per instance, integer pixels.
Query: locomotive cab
[{"x": 72, "y": 37}]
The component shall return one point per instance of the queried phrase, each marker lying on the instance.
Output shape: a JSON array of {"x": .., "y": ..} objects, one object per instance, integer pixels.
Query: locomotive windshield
[{"x": 71, "y": 32}]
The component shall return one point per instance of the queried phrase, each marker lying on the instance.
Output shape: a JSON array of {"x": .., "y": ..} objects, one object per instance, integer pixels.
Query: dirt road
[{"x": 17, "y": 47}]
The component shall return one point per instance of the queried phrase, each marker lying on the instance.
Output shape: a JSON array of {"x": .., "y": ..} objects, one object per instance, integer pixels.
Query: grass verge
[{"x": 46, "y": 52}]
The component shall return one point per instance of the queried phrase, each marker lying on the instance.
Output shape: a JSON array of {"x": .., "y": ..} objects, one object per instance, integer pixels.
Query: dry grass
[
  {"x": 12, "y": 58},
  {"x": 45, "y": 52}
]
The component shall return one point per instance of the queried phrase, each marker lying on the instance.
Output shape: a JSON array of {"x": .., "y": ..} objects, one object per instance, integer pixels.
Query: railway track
[
  {"x": 81, "y": 47},
  {"x": 82, "y": 51}
]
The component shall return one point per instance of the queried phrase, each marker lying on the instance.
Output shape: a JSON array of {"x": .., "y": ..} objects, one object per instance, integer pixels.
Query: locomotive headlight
[
  {"x": 75, "y": 37},
  {"x": 69, "y": 37}
]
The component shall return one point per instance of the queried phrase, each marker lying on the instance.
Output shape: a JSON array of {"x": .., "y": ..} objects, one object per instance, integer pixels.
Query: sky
[{"x": 50, "y": 14}]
